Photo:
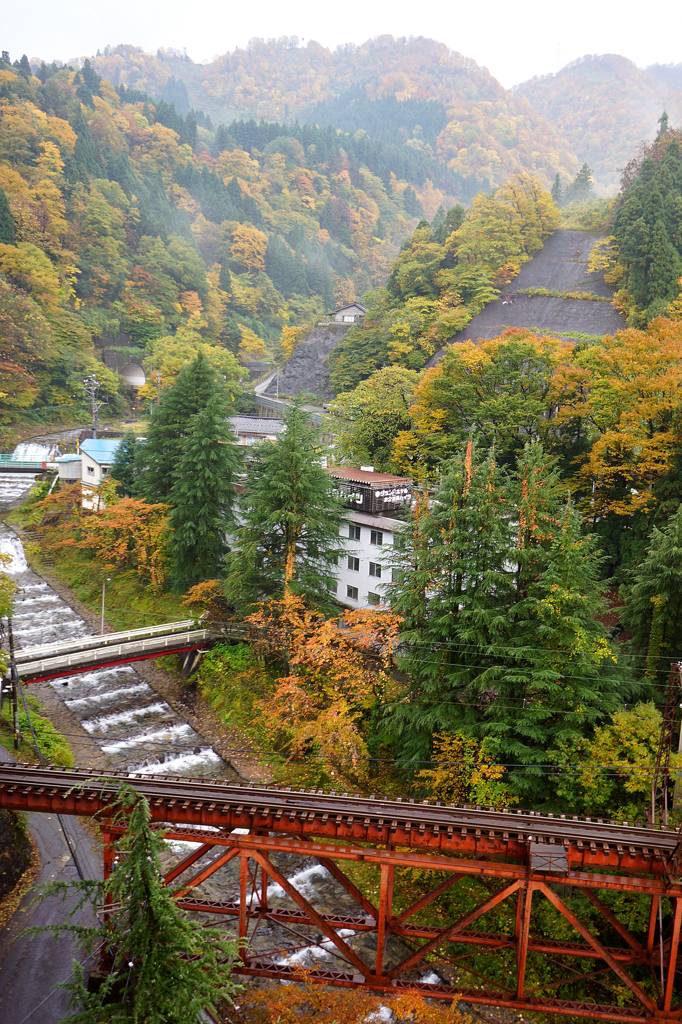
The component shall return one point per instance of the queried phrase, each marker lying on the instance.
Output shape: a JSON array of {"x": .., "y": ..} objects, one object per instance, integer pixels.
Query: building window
[
  {"x": 376, "y": 537},
  {"x": 373, "y": 598},
  {"x": 375, "y": 570},
  {"x": 354, "y": 532},
  {"x": 354, "y": 563},
  {"x": 352, "y": 593},
  {"x": 333, "y": 587},
  {"x": 91, "y": 471}
]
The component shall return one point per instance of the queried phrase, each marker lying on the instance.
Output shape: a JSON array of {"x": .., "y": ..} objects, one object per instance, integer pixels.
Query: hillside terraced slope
[{"x": 560, "y": 266}]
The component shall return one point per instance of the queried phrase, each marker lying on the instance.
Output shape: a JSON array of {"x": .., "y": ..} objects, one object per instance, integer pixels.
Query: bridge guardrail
[
  {"x": 102, "y": 640},
  {"x": 94, "y": 656}
]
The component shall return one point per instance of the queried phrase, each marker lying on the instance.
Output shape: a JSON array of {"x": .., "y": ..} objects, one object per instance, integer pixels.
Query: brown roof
[{"x": 364, "y": 476}]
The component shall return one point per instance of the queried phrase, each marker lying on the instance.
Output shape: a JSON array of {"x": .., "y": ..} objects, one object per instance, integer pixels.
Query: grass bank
[{"x": 53, "y": 746}]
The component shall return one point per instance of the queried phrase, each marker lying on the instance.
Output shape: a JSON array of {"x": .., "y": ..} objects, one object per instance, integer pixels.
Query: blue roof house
[{"x": 96, "y": 459}]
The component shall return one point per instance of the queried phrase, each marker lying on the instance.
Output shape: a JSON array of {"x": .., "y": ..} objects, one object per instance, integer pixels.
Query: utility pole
[
  {"x": 104, "y": 590},
  {"x": 665, "y": 743},
  {"x": 91, "y": 386},
  {"x": 15, "y": 684}
]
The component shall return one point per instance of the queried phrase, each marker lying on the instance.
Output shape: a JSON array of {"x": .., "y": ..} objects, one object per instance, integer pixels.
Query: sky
[{"x": 514, "y": 41}]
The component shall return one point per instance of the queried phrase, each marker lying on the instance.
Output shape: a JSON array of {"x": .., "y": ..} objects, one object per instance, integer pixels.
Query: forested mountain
[
  {"x": 487, "y": 132},
  {"x": 445, "y": 273},
  {"x": 604, "y": 106},
  {"x": 123, "y": 222}
]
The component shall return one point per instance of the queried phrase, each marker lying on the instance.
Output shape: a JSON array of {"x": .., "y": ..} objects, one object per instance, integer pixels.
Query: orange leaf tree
[
  {"x": 629, "y": 405},
  {"x": 290, "y": 1004},
  {"x": 336, "y": 672},
  {"x": 130, "y": 536}
]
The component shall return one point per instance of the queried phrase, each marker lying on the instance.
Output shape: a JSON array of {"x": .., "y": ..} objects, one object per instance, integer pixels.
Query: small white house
[
  {"x": 348, "y": 314},
  {"x": 69, "y": 468},
  {"x": 97, "y": 457}
]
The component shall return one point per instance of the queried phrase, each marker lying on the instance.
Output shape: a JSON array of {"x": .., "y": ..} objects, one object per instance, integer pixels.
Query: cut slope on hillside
[
  {"x": 307, "y": 369},
  {"x": 560, "y": 266}
]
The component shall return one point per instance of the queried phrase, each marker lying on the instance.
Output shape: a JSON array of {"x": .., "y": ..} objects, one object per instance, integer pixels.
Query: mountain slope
[
  {"x": 489, "y": 132},
  {"x": 604, "y": 106}
]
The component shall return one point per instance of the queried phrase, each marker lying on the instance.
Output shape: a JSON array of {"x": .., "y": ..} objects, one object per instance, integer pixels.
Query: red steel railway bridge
[{"x": 522, "y": 857}]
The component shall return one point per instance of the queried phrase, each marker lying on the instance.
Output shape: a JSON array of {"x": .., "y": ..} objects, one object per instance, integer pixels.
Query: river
[
  {"x": 134, "y": 727},
  {"x": 140, "y": 732}
]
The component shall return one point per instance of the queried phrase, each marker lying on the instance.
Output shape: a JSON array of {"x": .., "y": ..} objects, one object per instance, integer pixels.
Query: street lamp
[{"x": 104, "y": 590}]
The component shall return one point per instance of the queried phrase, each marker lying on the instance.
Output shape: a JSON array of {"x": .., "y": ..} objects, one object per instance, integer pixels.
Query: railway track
[
  {"x": 314, "y": 814},
  {"x": 520, "y": 857}
]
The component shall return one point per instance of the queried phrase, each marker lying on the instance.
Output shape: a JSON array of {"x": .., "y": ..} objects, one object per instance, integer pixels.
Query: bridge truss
[{"x": 523, "y": 859}]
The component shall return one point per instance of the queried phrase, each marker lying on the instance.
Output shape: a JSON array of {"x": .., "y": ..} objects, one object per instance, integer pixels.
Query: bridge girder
[{"x": 338, "y": 830}]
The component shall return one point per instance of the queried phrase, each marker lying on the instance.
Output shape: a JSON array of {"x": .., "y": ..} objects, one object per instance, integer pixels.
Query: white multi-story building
[{"x": 375, "y": 503}]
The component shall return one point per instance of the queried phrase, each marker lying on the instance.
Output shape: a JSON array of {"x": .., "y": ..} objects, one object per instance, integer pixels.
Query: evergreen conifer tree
[
  {"x": 557, "y": 681},
  {"x": 665, "y": 266},
  {"x": 663, "y": 125},
  {"x": 653, "y": 610},
  {"x": 557, "y": 190},
  {"x": 126, "y": 466},
  {"x": 7, "y": 234},
  {"x": 203, "y": 495},
  {"x": 288, "y": 540},
  {"x": 454, "y": 586},
  {"x": 536, "y": 493},
  {"x": 166, "y": 968},
  {"x": 189, "y": 394},
  {"x": 580, "y": 188}
]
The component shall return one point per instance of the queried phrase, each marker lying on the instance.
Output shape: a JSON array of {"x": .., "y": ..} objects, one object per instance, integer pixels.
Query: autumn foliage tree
[
  {"x": 129, "y": 536},
  {"x": 333, "y": 674}
]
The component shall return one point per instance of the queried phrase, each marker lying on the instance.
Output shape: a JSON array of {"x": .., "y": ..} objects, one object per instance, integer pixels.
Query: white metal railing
[
  {"x": 84, "y": 643},
  {"x": 78, "y": 659}
]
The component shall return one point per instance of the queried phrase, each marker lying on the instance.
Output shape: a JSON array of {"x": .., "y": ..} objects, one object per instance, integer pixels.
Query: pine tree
[
  {"x": 664, "y": 125},
  {"x": 126, "y": 466},
  {"x": 665, "y": 266},
  {"x": 557, "y": 681},
  {"x": 557, "y": 190},
  {"x": 580, "y": 188},
  {"x": 7, "y": 234},
  {"x": 536, "y": 493},
  {"x": 288, "y": 541},
  {"x": 203, "y": 495},
  {"x": 454, "y": 590},
  {"x": 165, "y": 967},
  {"x": 191, "y": 391},
  {"x": 653, "y": 609}
]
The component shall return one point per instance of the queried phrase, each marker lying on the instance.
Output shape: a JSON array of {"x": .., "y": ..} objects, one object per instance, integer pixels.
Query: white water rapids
[
  {"x": 134, "y": 728},
  {"x": 138, "y": 731}
]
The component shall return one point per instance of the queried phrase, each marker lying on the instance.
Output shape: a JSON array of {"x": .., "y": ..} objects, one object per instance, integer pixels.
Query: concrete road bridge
[
  {"x": 626, "y": 872},
  {"x": 71, "y": 657}
]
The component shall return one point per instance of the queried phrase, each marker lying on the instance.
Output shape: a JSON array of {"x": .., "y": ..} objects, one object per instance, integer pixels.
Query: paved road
[{"x": 32, "y": 966}]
